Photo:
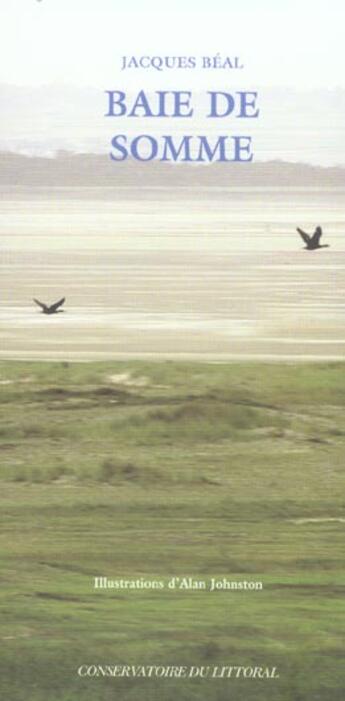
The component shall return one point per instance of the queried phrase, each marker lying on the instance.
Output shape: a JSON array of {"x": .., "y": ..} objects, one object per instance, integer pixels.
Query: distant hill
[{"x": 90, "y": 170}]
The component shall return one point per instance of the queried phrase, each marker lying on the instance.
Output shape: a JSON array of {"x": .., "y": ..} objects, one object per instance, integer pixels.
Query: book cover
[{"x": 172, "y": 339}]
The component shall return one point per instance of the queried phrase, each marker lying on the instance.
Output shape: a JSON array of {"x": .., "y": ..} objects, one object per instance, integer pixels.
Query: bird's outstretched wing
[
  {"x": 54, "y": 307},
  {"x": 41, "y": 304},
  {"x": 306, "y": 238},
  {"x": 316, "y": 236}
]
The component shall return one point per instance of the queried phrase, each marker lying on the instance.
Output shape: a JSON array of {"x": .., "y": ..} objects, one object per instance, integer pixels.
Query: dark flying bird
[
  {"x": 312, "y": 242},
  {"x": 53, "y": 308}
]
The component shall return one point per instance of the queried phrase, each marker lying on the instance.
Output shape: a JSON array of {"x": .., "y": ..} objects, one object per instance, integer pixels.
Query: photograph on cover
[{"x": 172, "y": 350}]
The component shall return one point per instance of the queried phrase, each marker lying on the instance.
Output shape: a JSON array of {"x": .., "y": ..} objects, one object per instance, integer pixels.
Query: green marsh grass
[{"x": 161, "y": 469}]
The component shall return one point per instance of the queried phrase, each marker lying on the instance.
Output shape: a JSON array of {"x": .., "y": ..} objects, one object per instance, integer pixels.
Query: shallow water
[{"x": 218, "y": 275}]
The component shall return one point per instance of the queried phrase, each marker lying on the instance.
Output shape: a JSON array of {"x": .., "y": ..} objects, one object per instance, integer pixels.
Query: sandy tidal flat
[{"x": 215, "y": 277}]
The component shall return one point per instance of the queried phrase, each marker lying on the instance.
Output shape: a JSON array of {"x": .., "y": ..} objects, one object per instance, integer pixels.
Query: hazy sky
[
  {"x": 296, "y": 43},
  {"x": 57, "y": 57}
]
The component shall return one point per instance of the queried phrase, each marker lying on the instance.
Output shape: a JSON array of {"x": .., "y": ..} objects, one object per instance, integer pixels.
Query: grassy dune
[{"x": 172, "y": 469}]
